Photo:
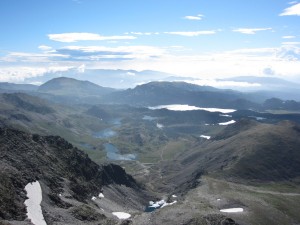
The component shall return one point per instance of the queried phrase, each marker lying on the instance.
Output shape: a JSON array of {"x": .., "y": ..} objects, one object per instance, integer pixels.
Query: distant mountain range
[
  {"x": 123, "y": 79},
  {"x": 163, "y": 93},
  {"x": 71, "y": 87},
  {"x": 120, "y": 79},
  {"x": 11, "y": 87},
  {"x": 265, "y": 82},
  {"x": 72, "y": 91},
  {"x": 270, "y": 87}
]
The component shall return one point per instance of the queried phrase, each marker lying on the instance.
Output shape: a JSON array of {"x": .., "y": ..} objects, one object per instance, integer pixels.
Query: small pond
[
  {"x": 106, "y": 133},
  {"x": 112, "y": 153}
]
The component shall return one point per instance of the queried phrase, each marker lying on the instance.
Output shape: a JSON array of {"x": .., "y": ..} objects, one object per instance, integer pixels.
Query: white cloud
[
  {"x": 268, "y": 71},
  {"x": 17, "y": 74},
  {"x": 81, "y": 68},
  {"x": 292, "y": 2},
  {"x": 45, "y": 48},
  {"x": 240, "y": 62},
  {"x": 130, "y": 74},
  {"x": 144, "y": 33},
  {"x": 74, "y": 37},
  {"x": 198, "y": 17},
  {"x": 222, "y": 84},
  {"x": 32, "y": 57},
  {"x": 250, "y": 30},
  {"x": 288, "y": 53},
  {"x": 291, "y": 43},
  {"x": 38, "y": 83},
  {"x": 294, "y": 10},
  {"x": 192, "y": 33},
  {"x": 288, "y": 37},
  {"x": 125, "y": 52},
  {"x": 283, "y": 61}
]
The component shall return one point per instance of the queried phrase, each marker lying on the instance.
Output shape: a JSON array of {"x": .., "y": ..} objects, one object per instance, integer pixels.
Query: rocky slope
[
  {"x": 69, "y": 180},
  {"x": 247, "y": 151}
]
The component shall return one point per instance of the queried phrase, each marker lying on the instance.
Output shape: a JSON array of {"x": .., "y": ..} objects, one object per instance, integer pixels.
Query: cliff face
[{"x": 58, "y": 166}]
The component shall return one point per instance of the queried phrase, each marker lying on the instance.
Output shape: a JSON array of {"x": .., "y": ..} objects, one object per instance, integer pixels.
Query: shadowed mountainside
[
  {"x": 11, "y": 87},
  {"x": 68, "y": 177},
  {"x": 248, "y": 151},
  {"x": 164, "y": 93}
]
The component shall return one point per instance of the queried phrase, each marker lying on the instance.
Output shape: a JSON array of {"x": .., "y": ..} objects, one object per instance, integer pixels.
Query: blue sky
[{"x": 203, "y": 39}]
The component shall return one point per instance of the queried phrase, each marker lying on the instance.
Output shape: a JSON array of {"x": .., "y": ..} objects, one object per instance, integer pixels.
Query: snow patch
[
  {"x": 206, "y": 137},
  {"x": 167, "y": 204},
  {"x": 174, "y": 196},
  {"x": 94, "y": 198},
  {"x": 121, "y": 215},
  {"x": 101, "y": 195},
  {"x": 257, "y": 117},
  {"x": 227, "y": 123},
  {"x": 160, "y": 126},
  {"x": 232, "y": 210},
  {"x": 157, "y": 204},
  {"x": 225, "y": 115},
  {"x": 161, "y": 203},
  {"x": 33, "y": 203}
]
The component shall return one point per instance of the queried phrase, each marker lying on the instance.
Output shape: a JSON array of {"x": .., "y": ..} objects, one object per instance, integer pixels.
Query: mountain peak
[{"x": 72, "y": 87}]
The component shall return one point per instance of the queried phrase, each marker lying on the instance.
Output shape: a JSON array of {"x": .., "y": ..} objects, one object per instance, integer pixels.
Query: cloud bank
[
  {"x": 250, "y": 30},
  {"x": 198, "y": 17},
  {"x": 283, "y": 61},
  {"x": 192, "y": 33},
  {"x": 294, "y": 10},
  {"x": 74, "y": 37}
]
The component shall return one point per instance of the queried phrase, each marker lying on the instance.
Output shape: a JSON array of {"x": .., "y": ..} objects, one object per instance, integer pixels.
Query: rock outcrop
[{"x": 60, "y": 168}]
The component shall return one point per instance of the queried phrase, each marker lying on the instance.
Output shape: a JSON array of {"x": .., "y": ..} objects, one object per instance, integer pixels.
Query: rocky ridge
[{"x": 69, "y": 179}]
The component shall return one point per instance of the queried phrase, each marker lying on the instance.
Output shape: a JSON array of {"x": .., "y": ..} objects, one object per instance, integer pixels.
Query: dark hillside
[
  {"x": 26, "y": 102},
  {"x": 57, "y": 165},
  {"x": 247, "y": 151},
  {"x": 165, "y": 93}
]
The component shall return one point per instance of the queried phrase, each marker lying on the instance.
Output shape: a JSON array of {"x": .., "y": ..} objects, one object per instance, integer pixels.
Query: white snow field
[
  {"x": 33, "y": 203},
  {"x": 122, "y": 215}
]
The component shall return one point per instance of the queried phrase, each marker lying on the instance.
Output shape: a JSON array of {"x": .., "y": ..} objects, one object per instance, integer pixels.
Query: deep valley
[{"x": 161, "y": 153}]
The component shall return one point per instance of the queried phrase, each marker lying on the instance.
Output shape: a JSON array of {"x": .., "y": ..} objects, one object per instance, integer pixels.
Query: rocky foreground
[
  {"x": 74, "y": 189},
  {"x": 70, "y": 181}
]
